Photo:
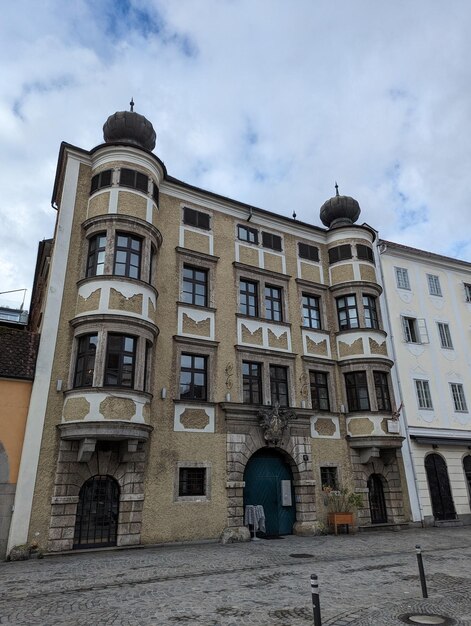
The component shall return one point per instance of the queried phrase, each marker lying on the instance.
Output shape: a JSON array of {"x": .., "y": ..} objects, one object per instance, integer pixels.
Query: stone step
[
  {"x": 393, "y": 526},
  {"x": 448, "y": 523}
]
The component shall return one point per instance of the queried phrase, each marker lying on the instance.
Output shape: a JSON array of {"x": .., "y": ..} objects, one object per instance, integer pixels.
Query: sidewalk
[{"x": 364, "y": 579}]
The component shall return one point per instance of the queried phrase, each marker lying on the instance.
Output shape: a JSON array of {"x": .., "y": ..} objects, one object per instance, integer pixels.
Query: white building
[{"x": 428, "y": 300}]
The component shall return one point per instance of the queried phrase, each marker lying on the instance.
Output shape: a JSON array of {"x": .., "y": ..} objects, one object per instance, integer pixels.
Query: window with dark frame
[
  {"x": 147, "y": 365},
  {"x": 415, "y": 330},
  {"x": 252, "y": 382},
  {"x": 247, "y": 234},
  {"x": 198, "y": 219},
  {"x": 319, "y": 391},
  {"x": 192, "y": 481},
  {"x": 383, "y": 399},
  {"x": 127, "y": 258},
  {"x": 249, "y": 298},
  {"x": 467, "y": 292},
  {"x": 310, "y": 253},
  {"x": 371, "y": 314},
  {"x": 365, "y": 253},
  {"x": 155, "y": 193},
  {"x": 273, "y": 303},
  {"x": 347, "y": 312},
  {"x": 134, "y": 179},
  {"x": 357, "y": 391},
  {"x": 340, "y": 253},
  {"x": 120, "y": 361},
  {"x": 103, "y": 179},
  {"x": 153, "y": 255},
  {"x": 279, "y": 385},
  {"x": 85, "y": 361},
  {"x": 311, "y": 311},
  {"x": 195, "y": 285},
  {"x": 96, "y": 255},
  {"x": 329, "y": 478},
  {"x": 193, "y": 377},
  {"x": 271, "y": 241}
]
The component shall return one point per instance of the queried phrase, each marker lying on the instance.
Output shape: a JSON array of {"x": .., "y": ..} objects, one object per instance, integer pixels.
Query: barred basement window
[
  {"x": 247, "y": 234},
  {"x": 310, "y": 253},
  {"x": 269, "y": 240},
  {"x": 365, "y": 253},
  {"x": 134, "y": 179},
  {"x": 192, "y": 481},
  {"x": 191, "y": 217},
  {"x": 340, "y": 253},
  {"x": 459, "y": 400},
  {"x": 329, "y": 478},
  {"x": 103, "y": 179}
]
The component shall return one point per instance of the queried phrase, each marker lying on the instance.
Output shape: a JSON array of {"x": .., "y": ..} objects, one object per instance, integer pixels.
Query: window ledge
[
  {"x": 210, "y": 258},
  {"x": 262, "y": 319},
  {"x": 198, "y": 307},
  {"x": 244, "y": 267}
]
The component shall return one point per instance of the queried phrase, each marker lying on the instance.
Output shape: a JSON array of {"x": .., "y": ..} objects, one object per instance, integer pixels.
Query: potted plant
[{"x": 341, "y": 503}]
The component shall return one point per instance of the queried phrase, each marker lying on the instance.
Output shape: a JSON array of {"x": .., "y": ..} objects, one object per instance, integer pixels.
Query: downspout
[{"x": 381, "y": 249}]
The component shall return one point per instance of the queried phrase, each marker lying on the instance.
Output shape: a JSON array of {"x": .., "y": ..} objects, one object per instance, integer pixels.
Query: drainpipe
[{"x": 402, "y": 417}]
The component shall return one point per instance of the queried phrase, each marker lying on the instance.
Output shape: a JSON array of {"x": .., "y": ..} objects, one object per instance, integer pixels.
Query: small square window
[
  {"x": 340, "y": 253},
  {"x": 424, "y": 398},
  {"x": 310, "y": 253},
  {"x": 402, "y": 278},
  {"x": 269, "y": 240},
  {"x": 247, "y": 234},
  {"x": 191, "y": 217},
  {"x": 445, "y": 336},
  {"x": 434, "y": 285},
  {"x": 192, "y": 481},
  {"x": 329, "y": 478},
  {"x": 459, "y": 400},
  {"x": 365, "y": 253}
]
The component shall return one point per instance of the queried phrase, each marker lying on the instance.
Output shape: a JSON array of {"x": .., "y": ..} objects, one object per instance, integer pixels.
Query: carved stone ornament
[{"x": 274, "y": 422}]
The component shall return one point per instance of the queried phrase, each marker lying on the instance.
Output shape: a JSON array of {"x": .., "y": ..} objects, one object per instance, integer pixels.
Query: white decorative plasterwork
[
  {"x": 180, "y": 410},
  {"x": 197, "y": 316},
  {"x": 376, "y": 420},
  {"x": 335, "y": 421},
  {"x": 365, "y": 335},
  {"x": 127, "y": 288},
  {"x": 198, "y": 231},
  {"x": 254, "y": 326},
  {"x": 318, "y": 338},
  {"x": 95, "y": 399}
]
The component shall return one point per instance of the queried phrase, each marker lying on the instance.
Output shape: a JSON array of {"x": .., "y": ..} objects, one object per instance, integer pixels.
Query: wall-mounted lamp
[
  {"x": 163, "y": 393},
  {"x": 59, "y": 385}
]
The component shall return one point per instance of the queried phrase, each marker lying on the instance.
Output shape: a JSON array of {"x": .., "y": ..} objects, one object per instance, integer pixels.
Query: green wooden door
[{"x": 263, "y": 476}]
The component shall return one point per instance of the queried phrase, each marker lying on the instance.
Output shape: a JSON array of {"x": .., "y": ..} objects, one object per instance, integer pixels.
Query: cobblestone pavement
[{"x": 365, "y": 580}]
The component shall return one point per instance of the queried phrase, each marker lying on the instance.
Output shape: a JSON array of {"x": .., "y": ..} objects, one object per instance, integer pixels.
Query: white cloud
[{"x": 268, "y": 102}]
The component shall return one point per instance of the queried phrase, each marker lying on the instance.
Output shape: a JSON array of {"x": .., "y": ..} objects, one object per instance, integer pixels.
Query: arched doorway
[
  {"x": 377, "y": 502},
  {"x": 443, "y": 507},
  {"x": 96, "y": 524},
  {"x": 269, "y": 482}
]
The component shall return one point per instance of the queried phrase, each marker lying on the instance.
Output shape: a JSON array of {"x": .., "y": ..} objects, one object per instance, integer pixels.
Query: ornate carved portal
[{"x": 274, "y": 422}]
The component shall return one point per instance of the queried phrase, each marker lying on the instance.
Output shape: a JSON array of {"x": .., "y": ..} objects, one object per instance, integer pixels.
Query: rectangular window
[
  {"x": 357, "y": 391},
  {"x": 467, "y": 292},
  {"x": 155, "y": 193},
  {"x": 415, "y": 330},
  {"x": 193, "y": 377},
  {"x": 319, "y": 391},
  {"x": 423, "y": 394},
  {"x": 134, "y": 179},
  {"x": 365, "y": 253},
  {"x": 252, "y": 382},
  {"x": 383, "y": 399},
  {"x": 279, "y": 385},
  {"x": 347, "y": 312},
  {"x": 457, "y": 392},
  {"x": 269, "y": 240},
  {"x": 147, "y": 366},
  {"x": 96, "y": 255},
  {"x": 192, "y": 481},
  {"x": 310, "y": 253},
  {"x": 85, "y": 363},
  {"x": 445, "y": 336},
  {"x": 340, "y": 253},
  {"x": 371, "y": 315},
  {"x": 248, "y": 298},
  {"x": 103, "y": 179},
  {"x": 434, "y": 285},
  {"x": 311, "y": 311},
  {"x": 120, "y": 359},
  {"x": 402, "y": 278},
  {"x": 273, "y": 304},
  {"x": 191, "y": 217},
  {"x": 329, "y": 478},
  {"x": 245, "y": 233},
  {"x": 127, "y": 259},
  {"x": 195, "y": 285}
]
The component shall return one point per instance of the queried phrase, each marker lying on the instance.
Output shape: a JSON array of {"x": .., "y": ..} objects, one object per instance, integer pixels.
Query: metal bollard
[
  {"x": 316, "y": 607},
  {"x": 421, "y": 571}
]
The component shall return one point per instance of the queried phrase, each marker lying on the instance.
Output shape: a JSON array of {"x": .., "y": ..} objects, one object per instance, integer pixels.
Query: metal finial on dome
[
  {"x": 294, "y": 215},
  {"x": 131, "y": 104},
  {"x": 336, "y": 189},
  {"x": 339, "y": 210}
]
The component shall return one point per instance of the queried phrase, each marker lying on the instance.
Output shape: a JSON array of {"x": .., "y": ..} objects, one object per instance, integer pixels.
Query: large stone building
[
  {"x": 173, "y": 316},
  {"x": 428, "y": 300}
]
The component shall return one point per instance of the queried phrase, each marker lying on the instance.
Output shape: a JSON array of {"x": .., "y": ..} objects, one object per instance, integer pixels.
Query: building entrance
[
  {"x": 439, "y": 485},
  {"x": 269, "y": 482},
  {"x": 96, "y": 523},
  {"x": 377, "y": 501}
]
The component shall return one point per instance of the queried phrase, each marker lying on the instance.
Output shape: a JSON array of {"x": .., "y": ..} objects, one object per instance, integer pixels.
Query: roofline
[{"x": 408, "y": 250}]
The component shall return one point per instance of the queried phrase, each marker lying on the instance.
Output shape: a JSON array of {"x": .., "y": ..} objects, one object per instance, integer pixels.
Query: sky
[{"x": 265, "y": 101}]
